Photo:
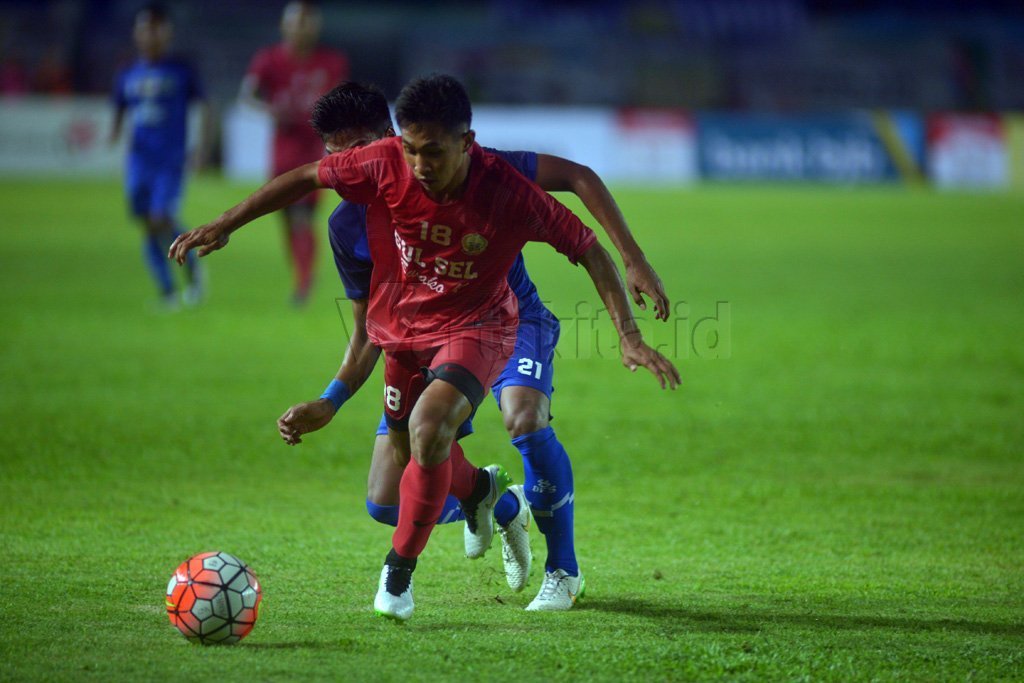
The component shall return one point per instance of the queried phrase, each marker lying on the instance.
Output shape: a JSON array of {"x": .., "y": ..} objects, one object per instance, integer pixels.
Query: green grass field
[{"x": 836, "y": 492}]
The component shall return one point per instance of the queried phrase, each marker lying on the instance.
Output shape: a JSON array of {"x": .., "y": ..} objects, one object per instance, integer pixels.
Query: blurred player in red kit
[{"x": 285, "y": 80}]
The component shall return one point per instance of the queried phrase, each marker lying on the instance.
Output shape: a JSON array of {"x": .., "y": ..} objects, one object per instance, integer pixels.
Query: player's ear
[
  {"x": 390, "y": 132},
  {"x": 468, "y": 139}
]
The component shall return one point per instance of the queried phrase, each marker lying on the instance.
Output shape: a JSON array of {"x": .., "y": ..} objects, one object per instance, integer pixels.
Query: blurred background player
[
  {"x": 285, "y": 80},
  {"x": 155, "y": 92}
]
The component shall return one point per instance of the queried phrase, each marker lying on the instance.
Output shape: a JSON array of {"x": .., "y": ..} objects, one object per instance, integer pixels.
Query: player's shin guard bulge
[
  {"x": 423, "y": 491},
  {"x": 479, "y": 509},
  {"x": 549, "y": 488}
]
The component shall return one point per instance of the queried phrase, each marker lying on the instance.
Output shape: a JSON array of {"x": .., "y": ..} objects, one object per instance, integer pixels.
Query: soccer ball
[{"x": 213, "y": 598}]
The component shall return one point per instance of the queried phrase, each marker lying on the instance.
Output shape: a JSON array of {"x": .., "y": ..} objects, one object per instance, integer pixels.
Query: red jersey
[
  {"x": 442, "y": 269},
  {"x": 290, "y": 84}
]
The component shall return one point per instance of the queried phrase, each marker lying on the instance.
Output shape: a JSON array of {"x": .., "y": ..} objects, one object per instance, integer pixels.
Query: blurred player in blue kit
[
  {"x": 154, "y": 94},
  {"x": 354, "y": 115}
]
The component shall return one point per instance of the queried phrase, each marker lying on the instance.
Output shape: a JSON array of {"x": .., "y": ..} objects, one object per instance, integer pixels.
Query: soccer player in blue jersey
[
  {"x": 155, "y": 93},
  {"x": 353, "y": 115}
]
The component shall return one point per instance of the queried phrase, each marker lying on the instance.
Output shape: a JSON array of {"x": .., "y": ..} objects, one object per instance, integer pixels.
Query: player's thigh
[
  {"x": 524, "y": 386},
  {"x": 138, "y": 187},
  {"x": 385, "y": 472}
]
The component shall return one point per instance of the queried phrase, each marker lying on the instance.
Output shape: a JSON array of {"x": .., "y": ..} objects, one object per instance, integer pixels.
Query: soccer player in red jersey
[
  {"x": 353, "y": 115},
  {"x": 445, "y": 223},
  {"x": 285, "y": 80}
]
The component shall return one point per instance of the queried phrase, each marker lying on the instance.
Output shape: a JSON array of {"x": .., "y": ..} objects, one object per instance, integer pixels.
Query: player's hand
[
  {"x": 641, "y": 279},
  {"x": 206, "y": 239},
  {"x": 304, "y": 418},
  {"x": 636, "y": 353}
]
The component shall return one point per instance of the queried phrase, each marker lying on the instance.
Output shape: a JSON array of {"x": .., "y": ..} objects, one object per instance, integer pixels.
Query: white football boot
[
  {"x": 515, "y": 543},
  {"x": 479, "y": 531},
  {"x": 558, "y": 593},
  {"x": 394, "y": 593}
]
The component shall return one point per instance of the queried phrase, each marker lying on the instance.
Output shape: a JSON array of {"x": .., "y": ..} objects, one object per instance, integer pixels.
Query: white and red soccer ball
[{"x": 213, "y": 598}]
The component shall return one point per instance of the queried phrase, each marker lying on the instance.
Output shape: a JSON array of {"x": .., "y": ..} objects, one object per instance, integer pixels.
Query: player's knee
[
  {"x": 525, "y": 419},
  {"x": 159, "y": 226},
  {"x": 431, "y": 439},
  {"x": 379, "y": 494}
]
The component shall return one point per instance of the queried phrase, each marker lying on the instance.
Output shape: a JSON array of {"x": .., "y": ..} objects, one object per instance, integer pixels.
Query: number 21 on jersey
[{"x": 530, "y": 368}]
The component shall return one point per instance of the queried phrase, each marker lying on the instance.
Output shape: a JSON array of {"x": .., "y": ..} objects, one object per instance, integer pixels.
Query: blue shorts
[
  {"x": 531, "y": 364},
  {"x": 153, "y": 190}
]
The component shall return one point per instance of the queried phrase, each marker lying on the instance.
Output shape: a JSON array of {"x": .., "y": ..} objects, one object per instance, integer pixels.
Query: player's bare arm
[
  {"x": 556, "y": 174},
  {"x": 278, "y": 193},
  {"x": 635, "y": 352},
  {"x": 360, "y": 358}
]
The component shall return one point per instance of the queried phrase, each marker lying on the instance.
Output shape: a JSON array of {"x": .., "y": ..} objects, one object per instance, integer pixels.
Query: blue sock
[
  {"x": 549, "y": 489},
  {"x": 388, "y": 514},
  {"x": 385, "y": 514},
  {"x": 451, "y": 512},
  {"x": 155, "y": 253},
  {"x": 506, "y": 509}
]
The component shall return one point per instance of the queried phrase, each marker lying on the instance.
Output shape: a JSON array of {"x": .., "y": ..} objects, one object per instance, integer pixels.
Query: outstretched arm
[
  {"x": 635, "y": 352},
  {"x": 556, "y": 174},
  {"x": 360, "y": 358},
  {"x": 277, "y": 194}
]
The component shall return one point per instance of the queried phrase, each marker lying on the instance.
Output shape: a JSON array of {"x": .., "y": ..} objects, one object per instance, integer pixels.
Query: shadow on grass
[
  {"x": 681, "y": 618},
  {"x": 340, "y": 646}
]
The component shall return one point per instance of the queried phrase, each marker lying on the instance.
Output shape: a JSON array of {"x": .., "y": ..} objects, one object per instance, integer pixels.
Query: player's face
[
  {"x": 350, "y": 138},
  {"x": 300, "y": 25},
  {"x": 152, "y": 36},
  {"x": 436, "y": 156}
]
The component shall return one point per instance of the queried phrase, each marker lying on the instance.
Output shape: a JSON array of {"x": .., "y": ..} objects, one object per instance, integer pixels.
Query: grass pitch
[{"x": 836, "y": 493}]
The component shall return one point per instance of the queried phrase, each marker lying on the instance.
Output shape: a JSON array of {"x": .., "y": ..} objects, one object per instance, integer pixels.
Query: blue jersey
[
  {"x": 157, "y": 95},
  {"x": 347, "y": 231}
]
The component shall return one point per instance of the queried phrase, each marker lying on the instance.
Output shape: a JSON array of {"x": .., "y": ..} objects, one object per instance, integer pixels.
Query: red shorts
[
  {"x": 293, "y": 150},
  {"x": 470, "y": 363}
]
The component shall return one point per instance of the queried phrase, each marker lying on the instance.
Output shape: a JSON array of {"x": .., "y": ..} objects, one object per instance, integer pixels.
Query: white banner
[
  {"x": 57, "y": 136},
  {"x": 630, "y": 146},
  {"x": 968, "y": 151},
  {"x": 246, "y": 143}
]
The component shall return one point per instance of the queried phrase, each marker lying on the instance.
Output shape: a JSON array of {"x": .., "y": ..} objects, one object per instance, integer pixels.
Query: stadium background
[
  {"x": 832, "y": 194},
  {"x": 742, "y": 89}
]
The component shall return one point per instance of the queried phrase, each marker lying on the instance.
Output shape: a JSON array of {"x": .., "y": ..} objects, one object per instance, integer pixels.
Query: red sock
[
  {"x": 464, "y": 473},
  {"x": 422, "y": 492},
  {"x": 303, "y": 246}
]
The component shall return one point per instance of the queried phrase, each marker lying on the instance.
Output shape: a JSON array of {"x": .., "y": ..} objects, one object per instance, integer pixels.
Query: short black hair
[
  {"x": 351, "y": 105},
  {"x": 437, "y": 98},
  {"x": 157, "y": 12}
]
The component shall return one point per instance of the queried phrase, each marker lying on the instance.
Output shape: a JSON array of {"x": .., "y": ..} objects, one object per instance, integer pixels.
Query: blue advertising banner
[{"x": 841, "y": 148}]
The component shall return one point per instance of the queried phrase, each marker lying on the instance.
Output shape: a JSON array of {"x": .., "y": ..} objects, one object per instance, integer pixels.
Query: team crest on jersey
[{"x": 474, "y": 243}]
